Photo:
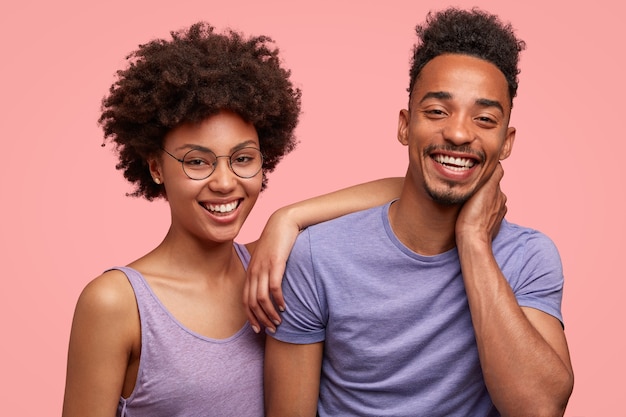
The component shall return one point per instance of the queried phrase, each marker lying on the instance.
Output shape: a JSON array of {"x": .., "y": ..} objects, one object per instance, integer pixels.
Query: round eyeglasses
[{"x": 199, "y": 164}]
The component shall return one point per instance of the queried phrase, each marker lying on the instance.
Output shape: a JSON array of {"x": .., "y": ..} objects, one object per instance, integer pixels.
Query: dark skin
[
  {"x": 195, "y": 271},
  {"x": 523, "y": 351},
  {"x": 457, "y": 133}
]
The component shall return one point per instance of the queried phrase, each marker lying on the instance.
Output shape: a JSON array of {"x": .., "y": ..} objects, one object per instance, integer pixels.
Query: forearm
[
  {"x": 526, "y": 372},
  {"x": 284, "y": 224},
  {"x": 270, "y": 252},
  {"x": 338, "y": 203}
]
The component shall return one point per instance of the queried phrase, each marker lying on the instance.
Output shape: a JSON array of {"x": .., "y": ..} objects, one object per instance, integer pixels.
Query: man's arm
[
  {"x": 523, "y": 351},
  {"x": 292, "y": 378}
]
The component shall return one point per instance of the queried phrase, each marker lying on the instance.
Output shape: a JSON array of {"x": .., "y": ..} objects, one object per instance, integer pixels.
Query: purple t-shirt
[
  {"x": 397, "y": 332},
  {"x": 182, "y": 373}
]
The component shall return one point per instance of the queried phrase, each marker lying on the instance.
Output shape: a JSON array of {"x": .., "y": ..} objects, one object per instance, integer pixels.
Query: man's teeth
[
  {"x": 223, "y": 208},
  {"x": 455, "y": 163}
]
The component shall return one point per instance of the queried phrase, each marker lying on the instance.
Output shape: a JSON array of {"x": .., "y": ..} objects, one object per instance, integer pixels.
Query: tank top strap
[
  {"x": 243, "y": 254},
  {"x": 137, "y": 281}
]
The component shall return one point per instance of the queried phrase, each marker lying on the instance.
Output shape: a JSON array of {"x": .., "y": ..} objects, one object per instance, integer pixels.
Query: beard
[{"x": 448, "y": 196}]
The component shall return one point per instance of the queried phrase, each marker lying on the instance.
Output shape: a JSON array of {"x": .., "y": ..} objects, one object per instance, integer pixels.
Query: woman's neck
[{"x": 186, "y": 255}]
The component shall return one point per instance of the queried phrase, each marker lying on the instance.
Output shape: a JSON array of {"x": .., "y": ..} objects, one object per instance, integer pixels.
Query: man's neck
[{"x": 422, "y": 225}]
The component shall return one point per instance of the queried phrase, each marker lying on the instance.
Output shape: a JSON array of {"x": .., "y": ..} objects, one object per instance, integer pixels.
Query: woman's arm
[
  {"x": 100, "y": 347},
  {"x": 270, "y": 252}
]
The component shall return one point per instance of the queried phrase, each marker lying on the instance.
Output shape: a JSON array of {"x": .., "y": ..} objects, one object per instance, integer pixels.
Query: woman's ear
[{"x": 154, "y": 165}]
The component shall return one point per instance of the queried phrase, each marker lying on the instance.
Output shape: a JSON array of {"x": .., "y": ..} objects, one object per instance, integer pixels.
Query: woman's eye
[
  {"x": 242, "y": 159},
  {"x": 195, "y": 162},
  {"x": 246, "y": 157}
]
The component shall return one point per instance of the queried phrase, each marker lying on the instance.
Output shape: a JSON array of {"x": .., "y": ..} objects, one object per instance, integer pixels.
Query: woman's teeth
[{"x": 223, "y": 208}]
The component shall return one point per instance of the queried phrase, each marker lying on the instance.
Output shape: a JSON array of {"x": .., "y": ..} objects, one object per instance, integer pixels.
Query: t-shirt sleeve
[
  {"x": 303, "y": 321},
  {"x": 540, "y": 282}
]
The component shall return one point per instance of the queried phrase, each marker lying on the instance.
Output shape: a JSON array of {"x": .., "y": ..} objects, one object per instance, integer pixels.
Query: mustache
[{"x": 452, "y": 148}]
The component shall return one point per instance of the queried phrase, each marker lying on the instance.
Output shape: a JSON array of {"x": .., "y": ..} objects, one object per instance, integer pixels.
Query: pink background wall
[{"x": 65, "y": 217}]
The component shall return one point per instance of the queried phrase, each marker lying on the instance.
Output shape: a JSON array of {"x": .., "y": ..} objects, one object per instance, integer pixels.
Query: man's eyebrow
[
  {"x": 444, "y": 95},
  {"x": 440, "y": 95},
  {"x": 485, "y": 102}
]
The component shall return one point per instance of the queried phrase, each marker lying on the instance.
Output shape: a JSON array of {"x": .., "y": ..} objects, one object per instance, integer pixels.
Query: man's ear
[
  {"x": 507, "y": 147},
  {"x": 403, "y": 126}
]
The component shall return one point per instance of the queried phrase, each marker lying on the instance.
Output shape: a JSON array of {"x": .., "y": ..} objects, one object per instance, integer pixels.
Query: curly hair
[
  {"x": 197, "y": 74},
  {"x": 469, "y": 32}
]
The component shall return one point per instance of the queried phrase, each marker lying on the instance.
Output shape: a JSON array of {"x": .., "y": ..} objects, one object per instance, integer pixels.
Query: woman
[{"x": 198, "y": 120}]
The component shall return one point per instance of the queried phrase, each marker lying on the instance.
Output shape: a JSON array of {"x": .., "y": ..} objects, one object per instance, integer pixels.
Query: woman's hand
[{"x": 262, "y": 293}]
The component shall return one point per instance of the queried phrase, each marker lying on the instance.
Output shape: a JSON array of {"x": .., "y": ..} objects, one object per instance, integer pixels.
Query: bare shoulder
[
  {"x": 106, "y": 317},
  {"x": 104, "y": 342},
  {"x": 108, "y": 295}
]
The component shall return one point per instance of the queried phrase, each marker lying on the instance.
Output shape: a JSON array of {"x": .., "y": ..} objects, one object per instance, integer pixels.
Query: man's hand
[{"x": 481, "y": 216}]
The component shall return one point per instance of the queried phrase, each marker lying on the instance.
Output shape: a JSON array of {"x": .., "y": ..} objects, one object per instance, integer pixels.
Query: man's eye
[
  {"x": 435, "y": 112},
  {"x": 487, "y": 120}
]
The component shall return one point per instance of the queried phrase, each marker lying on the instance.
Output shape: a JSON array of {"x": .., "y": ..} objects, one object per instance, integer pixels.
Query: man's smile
[{"x": 454, "y": 163}]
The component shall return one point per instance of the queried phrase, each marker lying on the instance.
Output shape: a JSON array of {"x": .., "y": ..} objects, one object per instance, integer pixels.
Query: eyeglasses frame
[{"x": 182, "y": 162}]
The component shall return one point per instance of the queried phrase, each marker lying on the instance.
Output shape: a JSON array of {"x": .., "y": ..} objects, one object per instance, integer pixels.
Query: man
[{"x": 432, "y": 305}]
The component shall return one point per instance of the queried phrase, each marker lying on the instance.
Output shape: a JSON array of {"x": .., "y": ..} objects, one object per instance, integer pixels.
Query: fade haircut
[{"x": 469, "y": 32}]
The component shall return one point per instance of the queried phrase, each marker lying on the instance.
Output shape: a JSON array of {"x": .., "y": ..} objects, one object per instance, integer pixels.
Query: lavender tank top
[{"x": 182, "y": 373}]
